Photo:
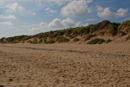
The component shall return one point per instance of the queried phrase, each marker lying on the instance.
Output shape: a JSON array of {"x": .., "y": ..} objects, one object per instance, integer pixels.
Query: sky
[{"x": 29, "y": 17}]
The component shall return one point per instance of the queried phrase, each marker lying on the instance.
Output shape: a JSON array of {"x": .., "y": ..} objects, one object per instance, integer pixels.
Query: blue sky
[{"x": 28, "y": 17}]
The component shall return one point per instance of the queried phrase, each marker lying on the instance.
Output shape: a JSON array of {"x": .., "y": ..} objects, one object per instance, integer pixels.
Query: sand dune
[{"x": 65, "y": 65}]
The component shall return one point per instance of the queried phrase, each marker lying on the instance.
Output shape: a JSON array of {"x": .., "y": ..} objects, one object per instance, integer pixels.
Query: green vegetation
[
  {"x": 128, "y": 38},
  {"x": 89, "y": 36},
  {"x": 101, "y": 33},
  {"x": 96, "y": 41},
  {"x": 45, "y": 40},
  {"x": 115, "y": 25},
  {"x": 34, "y": 41},
  {"x": 108, "y": 41},
  {"x": 71, "y": 36},
  {"x": 14, "y": 41},
  {"x": 112, "y": 29},
  {"x": 51, "y": 41},
  {"x": 88, "y": 32},
  {"x": 62, "y": 39},
  {"x": 126, "y": 23},
  {"x": 41, "y": 40},
  {"x": 29, "y": 41},
  {"x": 76, "y": 39},
  {"x": 121, "y": 33}
]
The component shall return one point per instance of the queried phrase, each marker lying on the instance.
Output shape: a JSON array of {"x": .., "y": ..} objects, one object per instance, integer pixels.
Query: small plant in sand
[
  {"x": 68, "y": 31},
  {"x": 51, "y": 41},
  {"x": 71, "y": 36},
  {"x": 108, "y": 41},
  {"x": 88, "y": 37},
  {"x": 35, "y": 41},
  {"x": 112, "y": 31},
  {"x": 128, "y": 38},
  {"x": 121, "y": 33},
  {"x": 41, "y": 40},
  {"x": 45, "y": 40},
  {"x": 76, "y": 40},
  {"x": 96, "y": 41},
  {"x": 29, "y": 41},
  {"x": 15, "y": 41},
  {"x": 62, "y": 39}
]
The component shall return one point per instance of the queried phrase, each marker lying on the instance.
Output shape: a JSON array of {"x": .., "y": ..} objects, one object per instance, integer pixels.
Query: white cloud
[
  {"x": 6, "y": 23},
  {"x": 78, "y": 24},
  {"x": 59, "y": 24},
  {"x": 76, "y": 8},
  {"x": 93, "y": 19},
  {"x": 28, "y": 13},
  {"x": 34, "y": 29},
  {"x": 68, "y": 22},
  {"x": 85, "y": 24},
  {"x": 59, "y": 2},
  {"x": 8, "y": 17},
  {"x": 107, "y": 14},
  {"x": 14, "y": 7},
  {"x": 50, "y": 10},
  {"x": 63, "y": 2},
  {"x": 43, "y": 24},
  {"x": 121, "y": 12},
  {"x": 99, "y": 8},
  {"x": 56, "y": 23},
  {"x": 1, "y": 2},
  {"x": 89, "y": 1},
  {"x": 27, "y": 26},
  {"x": 104, "y": 13}
]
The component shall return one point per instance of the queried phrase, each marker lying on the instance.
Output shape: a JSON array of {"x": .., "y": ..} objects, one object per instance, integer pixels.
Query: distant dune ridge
[{"x": 103, "y": 32}]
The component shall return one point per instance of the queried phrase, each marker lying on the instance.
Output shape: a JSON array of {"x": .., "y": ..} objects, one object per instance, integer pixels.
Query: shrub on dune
[{"x": 96, "y": 41}]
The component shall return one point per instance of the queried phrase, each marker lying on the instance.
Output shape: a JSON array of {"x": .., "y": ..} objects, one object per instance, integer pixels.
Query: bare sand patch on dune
[{"x": 65, "y": 65}]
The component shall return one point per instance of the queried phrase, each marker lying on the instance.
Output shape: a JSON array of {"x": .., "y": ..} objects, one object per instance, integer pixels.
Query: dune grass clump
[
  {"x": 29, "y": 41},
  {"x": 15, "y": 41},
  {"x": 45, "y": 40},
  {"x": 121, "y": 33},
  {"x": 108, "y": 41},
  {"x": 88, "y": 37},
  {"x": 128, "y": 38},
  {"x": 51, "y": 41},
  {"x": 68, "y": 31},
  {"x": 62, "y": 39},
  {"x": 96, "y": 41},
  {"x": 71, "y": 36},
  {"x": 41, "y": 40},
  {"x": 76, "y": 39},
  {"x": 34, "y": 41},
  {"x": 127, "y": 23},
  {"x": 112, "y": 31}
]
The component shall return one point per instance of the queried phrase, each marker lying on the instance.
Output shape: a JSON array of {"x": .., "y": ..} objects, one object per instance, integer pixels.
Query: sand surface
[{"x": 65, "y": 65}]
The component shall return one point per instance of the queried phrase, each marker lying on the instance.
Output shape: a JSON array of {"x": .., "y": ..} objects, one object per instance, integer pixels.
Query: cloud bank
[
  {"x": 76, "y": 8},
  {"x": 8, "y": 17},
  {"x": 106, "y": 13}
]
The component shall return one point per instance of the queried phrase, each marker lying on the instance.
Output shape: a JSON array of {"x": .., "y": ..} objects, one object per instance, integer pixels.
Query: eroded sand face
[{"x": 65, "y": 65}]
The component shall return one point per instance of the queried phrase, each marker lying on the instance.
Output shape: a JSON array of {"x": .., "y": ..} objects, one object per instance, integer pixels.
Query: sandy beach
[{"x": 65, "y": 65}]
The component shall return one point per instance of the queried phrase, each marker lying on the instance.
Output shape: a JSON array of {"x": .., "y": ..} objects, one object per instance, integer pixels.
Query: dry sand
[{"x": 65, "y": 65}]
